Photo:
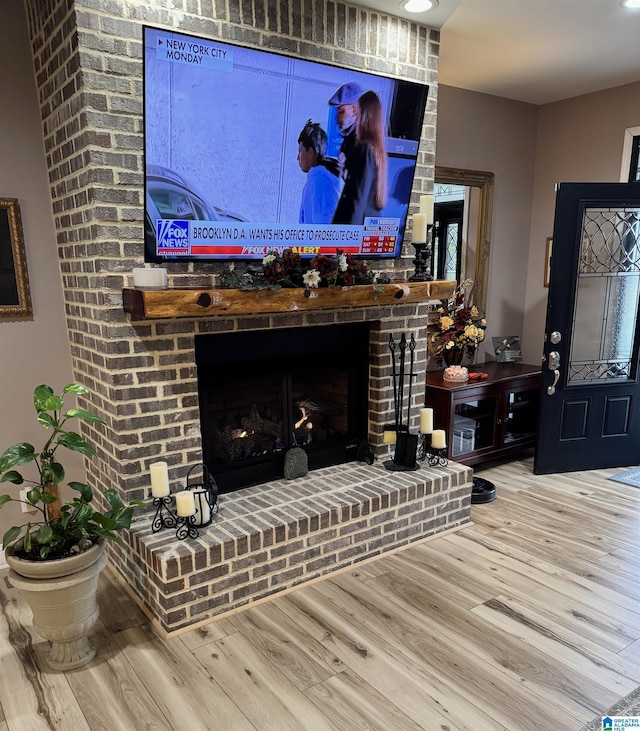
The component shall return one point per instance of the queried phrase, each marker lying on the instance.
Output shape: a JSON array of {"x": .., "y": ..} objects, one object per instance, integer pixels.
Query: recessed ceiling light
[
  {"x": 630, "y": 4},
  {"x": 420, "y": 6}
]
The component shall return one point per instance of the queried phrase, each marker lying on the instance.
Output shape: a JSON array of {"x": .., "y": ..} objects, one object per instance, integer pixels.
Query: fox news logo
[{"x": 173, "y": 236}]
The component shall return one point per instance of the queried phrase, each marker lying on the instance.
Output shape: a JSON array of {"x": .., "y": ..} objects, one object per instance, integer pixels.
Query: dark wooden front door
[{"x": 589, "y": 411}]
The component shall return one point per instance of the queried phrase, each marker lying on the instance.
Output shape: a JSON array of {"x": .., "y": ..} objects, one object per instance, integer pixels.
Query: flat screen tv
[{"x": 221, "y": 129}]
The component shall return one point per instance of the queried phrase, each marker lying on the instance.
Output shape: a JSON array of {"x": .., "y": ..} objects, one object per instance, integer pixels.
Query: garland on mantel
[{"x": 287, "y": 269}]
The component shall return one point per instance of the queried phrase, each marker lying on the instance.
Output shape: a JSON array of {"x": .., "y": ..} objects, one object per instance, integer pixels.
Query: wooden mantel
[{"x": 168, "y": 303}]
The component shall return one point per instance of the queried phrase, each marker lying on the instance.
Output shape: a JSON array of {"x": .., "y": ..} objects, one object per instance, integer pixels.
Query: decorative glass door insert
[{"x": 607, "y": 297}]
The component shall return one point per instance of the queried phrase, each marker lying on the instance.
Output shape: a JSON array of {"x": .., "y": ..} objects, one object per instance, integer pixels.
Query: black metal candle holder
[
  {"x": 422, "y": 260},
  {"x": 205, "y": 494},
  {"x": 186, "y": 527},
  {"x": 433, "y": 457},
  {"x": 437, "y": 458},
  {"x": 164, "y": 517}
]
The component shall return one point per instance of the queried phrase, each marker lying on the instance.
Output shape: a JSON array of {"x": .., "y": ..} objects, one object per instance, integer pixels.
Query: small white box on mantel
[{"x": 147, "y": 278}]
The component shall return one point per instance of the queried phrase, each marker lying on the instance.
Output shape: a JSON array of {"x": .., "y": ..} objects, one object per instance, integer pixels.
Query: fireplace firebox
[{"x": 264, "y": 392}]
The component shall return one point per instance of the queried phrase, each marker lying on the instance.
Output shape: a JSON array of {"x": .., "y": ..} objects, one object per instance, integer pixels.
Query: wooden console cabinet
[{"x": 490, "y": 418}]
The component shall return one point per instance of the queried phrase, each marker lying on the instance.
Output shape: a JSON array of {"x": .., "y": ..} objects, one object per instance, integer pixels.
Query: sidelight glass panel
[
  {"x": 607, "y": 296},
  {"x": 451, "y": 252}
]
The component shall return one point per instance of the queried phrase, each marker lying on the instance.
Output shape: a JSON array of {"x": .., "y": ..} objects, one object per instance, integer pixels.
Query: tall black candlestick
[{"x": 423, "y": 258}]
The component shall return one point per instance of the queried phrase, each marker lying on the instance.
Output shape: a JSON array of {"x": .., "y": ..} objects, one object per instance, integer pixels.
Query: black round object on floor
[{"x": 483, "y": 491}]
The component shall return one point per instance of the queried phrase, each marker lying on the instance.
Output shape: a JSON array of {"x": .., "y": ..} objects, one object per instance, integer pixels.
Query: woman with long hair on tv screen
[{"x": 365, "y": 188}]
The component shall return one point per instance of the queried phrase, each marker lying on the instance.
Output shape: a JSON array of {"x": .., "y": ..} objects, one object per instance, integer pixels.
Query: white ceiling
[{"x": 536, "y": 51}]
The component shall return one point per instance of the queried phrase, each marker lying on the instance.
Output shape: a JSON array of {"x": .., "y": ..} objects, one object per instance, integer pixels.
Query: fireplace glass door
[{"x": 264, "y": 392}]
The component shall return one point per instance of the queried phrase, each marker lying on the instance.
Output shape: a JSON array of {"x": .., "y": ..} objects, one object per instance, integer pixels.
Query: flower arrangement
[
  {"x": 286, "y": 268},
  {"x": 461, "y": 326}
]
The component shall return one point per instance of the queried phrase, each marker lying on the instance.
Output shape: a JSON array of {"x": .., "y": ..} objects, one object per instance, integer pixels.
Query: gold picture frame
[
  {"x": 547, "y": 261},
  {"x": 15, "y": 295}
]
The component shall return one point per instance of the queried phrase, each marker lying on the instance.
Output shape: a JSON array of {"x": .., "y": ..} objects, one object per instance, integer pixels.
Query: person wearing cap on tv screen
[
  {"x": 365, "y": 187},
  {"x": 346, "y": 101},
  {"x": 322, "y": 189}
]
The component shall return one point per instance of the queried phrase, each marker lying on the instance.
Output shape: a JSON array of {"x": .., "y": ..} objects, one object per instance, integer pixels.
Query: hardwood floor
[{"x": 527, "y": 619}]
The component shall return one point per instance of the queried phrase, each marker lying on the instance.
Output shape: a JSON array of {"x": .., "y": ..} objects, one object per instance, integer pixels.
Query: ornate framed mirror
[{"x": 483, "y": 182}]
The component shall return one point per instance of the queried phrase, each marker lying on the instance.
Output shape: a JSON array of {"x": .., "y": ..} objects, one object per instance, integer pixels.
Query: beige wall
[
  {"x": 482, "y": 132},
  {"x": 36, "y": 350},
  {"x": 529, "y": 149},
  {"x": 579, "y": 140}
]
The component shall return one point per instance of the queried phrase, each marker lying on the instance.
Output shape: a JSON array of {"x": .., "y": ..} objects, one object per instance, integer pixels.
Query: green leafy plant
[{"x": 75, "y": 526}]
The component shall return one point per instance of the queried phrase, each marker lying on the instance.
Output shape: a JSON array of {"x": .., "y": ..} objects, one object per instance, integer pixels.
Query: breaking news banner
[{"x": 175, "y": 237}]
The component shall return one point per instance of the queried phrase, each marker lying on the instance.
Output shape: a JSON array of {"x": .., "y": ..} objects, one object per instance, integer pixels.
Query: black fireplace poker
[{"x": 406, "y": 444}]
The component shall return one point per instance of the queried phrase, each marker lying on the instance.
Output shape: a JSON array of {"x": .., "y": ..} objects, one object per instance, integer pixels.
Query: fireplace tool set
[
  {"x": 195, "y": 506},
  {"x": 404, "y": 457},
  {"x": 406, "y": 449}
]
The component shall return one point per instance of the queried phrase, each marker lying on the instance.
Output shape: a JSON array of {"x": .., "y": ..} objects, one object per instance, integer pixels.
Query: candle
[
  {"x": 389, "y": 435},
  {"x": 419, "y": 233},
  {"x": 203, "y": 510},
  {"x": 438, "y": 440},
  {"x": 145, "y": 278},
  {"x": 426, "y": 421},
  {"x": 426, "y": 207},
  {"x": 185, "y": 504},
  {"x": 159, "y": 479}
]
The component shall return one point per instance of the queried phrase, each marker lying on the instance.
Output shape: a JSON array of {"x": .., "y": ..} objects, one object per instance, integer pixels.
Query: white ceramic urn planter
[{"x": 62, "y": 597}]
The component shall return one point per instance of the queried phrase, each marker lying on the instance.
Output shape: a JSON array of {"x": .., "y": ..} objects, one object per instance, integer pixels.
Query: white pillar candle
[
  {"x": 438, "y": 439},
  {"x": 419, "y": 232},
  {"x": 426, "y": 421},
  {"x": 426, "y": 207},
  {"x": 389, "y": 436},
  {"x": 159, "y": 472},
  {"x": 185, "y": 504},
  {"x": 203, "y": 511},
  {"x": 147, "y": 278}
]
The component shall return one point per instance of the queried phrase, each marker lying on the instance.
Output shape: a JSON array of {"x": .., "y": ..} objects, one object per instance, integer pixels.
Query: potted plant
[{"x": 56, "y": 561}]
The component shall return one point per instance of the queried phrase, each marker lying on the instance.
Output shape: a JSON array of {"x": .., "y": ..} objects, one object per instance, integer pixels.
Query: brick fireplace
[
  {"x": 142, "y": 372},
  {"x": 271, "y": 537}
]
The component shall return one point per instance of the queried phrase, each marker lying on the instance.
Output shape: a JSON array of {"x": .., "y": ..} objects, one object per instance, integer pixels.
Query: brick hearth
[{"x": 269, "y": 538}]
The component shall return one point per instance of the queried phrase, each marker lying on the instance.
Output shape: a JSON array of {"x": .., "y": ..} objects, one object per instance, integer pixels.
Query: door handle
[{"x": 553, "y": 365}]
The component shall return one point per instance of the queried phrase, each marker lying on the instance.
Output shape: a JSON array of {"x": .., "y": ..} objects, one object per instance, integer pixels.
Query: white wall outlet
[{"x": 25, "y": 505}]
